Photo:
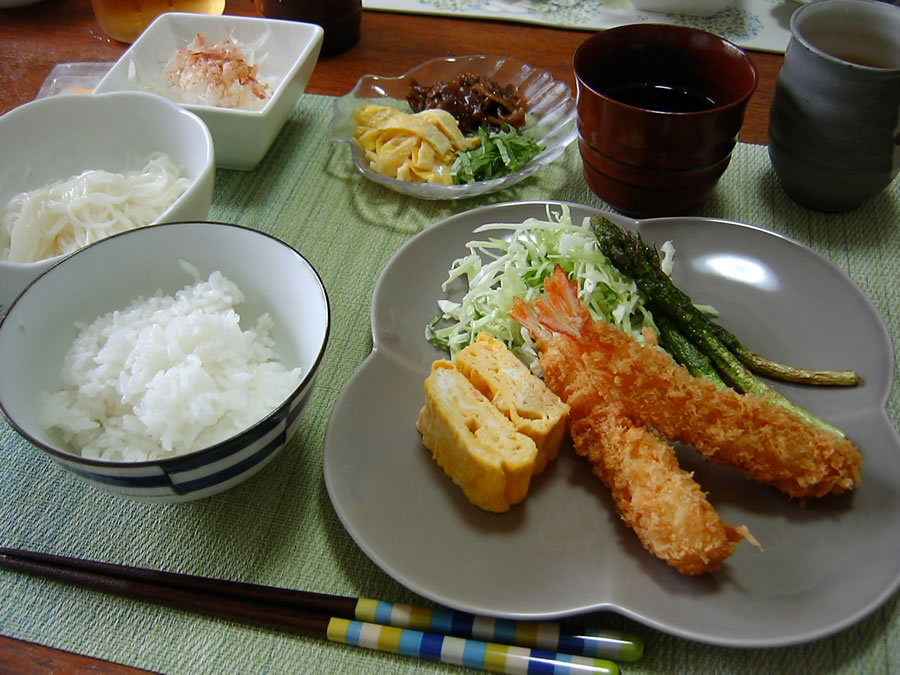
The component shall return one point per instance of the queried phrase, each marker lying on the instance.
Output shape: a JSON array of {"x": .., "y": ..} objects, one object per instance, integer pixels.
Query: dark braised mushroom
[{"x": 473, "y": 100}]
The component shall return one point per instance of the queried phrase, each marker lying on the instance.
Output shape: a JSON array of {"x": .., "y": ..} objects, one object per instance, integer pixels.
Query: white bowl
[
  {"x": 691, "y": 7},
  {"x": 39, "y": 327},
  {"x": 549, "y": 105},
  {"x": 286, "y": 52},
  {"x": 55, "y": 138}
]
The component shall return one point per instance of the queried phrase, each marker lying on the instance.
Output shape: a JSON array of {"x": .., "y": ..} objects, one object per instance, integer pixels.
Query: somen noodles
[{"x": 65, "y": 216}]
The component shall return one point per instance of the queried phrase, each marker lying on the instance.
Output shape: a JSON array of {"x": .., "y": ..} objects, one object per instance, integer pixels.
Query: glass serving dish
[{"x": 550, "y": 116}]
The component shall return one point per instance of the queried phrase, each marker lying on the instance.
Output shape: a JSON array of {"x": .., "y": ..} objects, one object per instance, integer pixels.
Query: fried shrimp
[
  {"x": 764, "y": 441},
  {"x": 661, "y": 502},
  {"x": 654, "y": 496}
]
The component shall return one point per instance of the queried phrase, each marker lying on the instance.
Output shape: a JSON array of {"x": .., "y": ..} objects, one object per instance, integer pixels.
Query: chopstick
[{"x": 435, "y": 634}]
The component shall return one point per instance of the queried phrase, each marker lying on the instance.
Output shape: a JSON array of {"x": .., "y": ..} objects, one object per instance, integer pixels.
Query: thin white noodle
[{"x": 67, "y": 215}]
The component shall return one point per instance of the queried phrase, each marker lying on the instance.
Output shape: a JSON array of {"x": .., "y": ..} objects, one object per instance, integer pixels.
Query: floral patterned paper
[{"x": 753, "y": 24}]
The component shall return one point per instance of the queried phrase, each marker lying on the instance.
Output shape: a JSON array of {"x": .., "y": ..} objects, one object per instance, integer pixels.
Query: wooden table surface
[{"x": 34, "y": 39}]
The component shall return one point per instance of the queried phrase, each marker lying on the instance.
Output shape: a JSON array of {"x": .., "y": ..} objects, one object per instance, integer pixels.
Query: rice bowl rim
[{"x": 279, "y": 412}]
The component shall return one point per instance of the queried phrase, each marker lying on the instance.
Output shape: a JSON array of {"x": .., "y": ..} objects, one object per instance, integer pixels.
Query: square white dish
[{"x": 285, "y": 51}]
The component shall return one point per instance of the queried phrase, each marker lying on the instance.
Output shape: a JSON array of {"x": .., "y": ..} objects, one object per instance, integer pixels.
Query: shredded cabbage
[{"x": 500, "y": 268}]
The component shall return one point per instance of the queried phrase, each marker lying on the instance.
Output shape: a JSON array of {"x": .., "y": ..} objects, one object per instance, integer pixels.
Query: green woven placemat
[{"x": 279, "y": 527}]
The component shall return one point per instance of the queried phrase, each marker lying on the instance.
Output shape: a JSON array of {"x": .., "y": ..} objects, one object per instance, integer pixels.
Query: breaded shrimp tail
[
  {"x": 658, "y": 499},
  {"x": 661, "y": 502},
  {"x": 764, "y": 441}
]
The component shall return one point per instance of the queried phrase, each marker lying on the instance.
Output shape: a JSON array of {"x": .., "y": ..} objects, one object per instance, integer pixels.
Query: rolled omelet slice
[
  {"x": 473, "y": 442},
  {"x": 522, "y": 397}
]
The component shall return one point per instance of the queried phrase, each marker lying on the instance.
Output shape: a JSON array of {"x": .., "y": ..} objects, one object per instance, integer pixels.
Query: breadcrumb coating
[
  {"x": 766, "y": 442},
  {"x": 654, "y": 496},
  {"x": 629, "y": 401}
]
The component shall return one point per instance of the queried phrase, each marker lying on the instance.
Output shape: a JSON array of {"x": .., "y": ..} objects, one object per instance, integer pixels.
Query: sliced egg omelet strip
[{"x": 417, "y": 148}]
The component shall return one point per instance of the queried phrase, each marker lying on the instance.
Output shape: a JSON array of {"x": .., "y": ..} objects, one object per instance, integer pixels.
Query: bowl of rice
[
  {"x": 242, "y": 75},
  {"x": 79, "y": 168},
  {"x": 165, "y": 363}
]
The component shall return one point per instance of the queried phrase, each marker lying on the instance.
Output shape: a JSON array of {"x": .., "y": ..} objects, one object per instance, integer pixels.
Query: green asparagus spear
[
  {"x": 753, "y": 361},
  {"x": 761, "y": 365},
  {"x": 627, "y": 251},
  {"x": 684, "y": 351}
]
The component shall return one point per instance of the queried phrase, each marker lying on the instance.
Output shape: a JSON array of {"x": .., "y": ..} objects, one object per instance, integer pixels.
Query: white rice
[{"x": 167, "y": 376}]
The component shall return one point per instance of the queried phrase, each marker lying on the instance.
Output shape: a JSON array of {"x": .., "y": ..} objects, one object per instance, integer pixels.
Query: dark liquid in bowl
[{"x": 660, "y": 97}]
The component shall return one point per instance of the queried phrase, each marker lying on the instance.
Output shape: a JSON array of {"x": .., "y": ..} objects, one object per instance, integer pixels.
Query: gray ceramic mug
[{"x": 834, "y": 124}]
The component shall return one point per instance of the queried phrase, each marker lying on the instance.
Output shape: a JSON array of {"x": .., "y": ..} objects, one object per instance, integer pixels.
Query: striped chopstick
[
  {"x": 549, "y": 635},
  {"x": 345, "y": 620}
]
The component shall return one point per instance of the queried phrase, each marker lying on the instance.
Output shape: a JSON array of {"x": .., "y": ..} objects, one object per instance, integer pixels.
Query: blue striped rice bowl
[{"x": 38, "y": 328}]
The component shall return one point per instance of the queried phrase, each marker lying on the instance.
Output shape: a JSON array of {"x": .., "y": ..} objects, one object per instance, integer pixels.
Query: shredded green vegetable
[
  {"x": 499, "y": 154},
  {"x": 514, "y": 264}
]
